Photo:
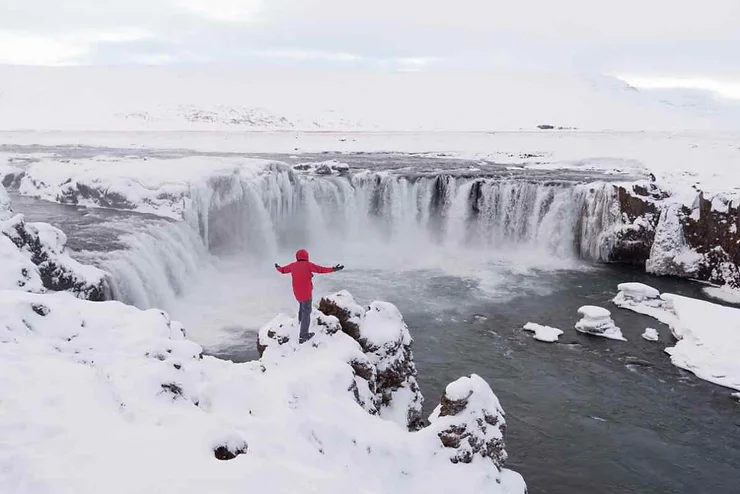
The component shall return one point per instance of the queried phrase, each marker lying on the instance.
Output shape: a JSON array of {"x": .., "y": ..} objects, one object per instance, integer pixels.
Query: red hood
[{"x": 301, "y": 255}]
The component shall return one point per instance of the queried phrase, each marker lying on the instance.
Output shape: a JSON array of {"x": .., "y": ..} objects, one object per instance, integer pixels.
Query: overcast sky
[{"x": 658, "y": 42}]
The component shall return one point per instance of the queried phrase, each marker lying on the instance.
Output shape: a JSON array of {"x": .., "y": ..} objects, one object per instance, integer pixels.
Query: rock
[
  {"x": 597, "y": 321},
  {"x": 650, "y": 334},
  {"x": 701, "y": 241},
  {"x": 231, "y": 448},
  {"x": 632, "y": 242},
  {"x": 383, "y": 364},
  {"x": 44, "y": 246},
  {"x": 712, "y": 230},
  {"x": 384, "y": 337},
  {"x": 469, "y": 421}
]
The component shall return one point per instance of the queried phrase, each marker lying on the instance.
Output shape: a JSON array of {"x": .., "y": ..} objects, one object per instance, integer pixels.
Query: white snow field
[
  {"x": 708, "y": 334},
  {"x": 219, "y": 98},
  {"x": 106, "y": 396},
  {"x": 597, "y": 321},
  {"x": 543, "y": 333}
]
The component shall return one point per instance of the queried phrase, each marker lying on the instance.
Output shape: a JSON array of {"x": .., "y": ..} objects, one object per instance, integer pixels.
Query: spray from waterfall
[{"x": 282, "y": 210}]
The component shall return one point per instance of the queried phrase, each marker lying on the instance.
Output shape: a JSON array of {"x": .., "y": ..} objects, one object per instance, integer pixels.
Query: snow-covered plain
[
  {"x": 708, "y": 334},
  {"x": 218, "y": 99}
]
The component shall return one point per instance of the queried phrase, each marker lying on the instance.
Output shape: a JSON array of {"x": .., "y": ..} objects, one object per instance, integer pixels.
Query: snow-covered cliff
[{"x": 106, "y": 396}]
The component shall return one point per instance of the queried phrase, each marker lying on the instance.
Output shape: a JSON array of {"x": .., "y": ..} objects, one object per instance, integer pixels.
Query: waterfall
[
  {"x": 284, "y": 209},
  {"x": 281, "y": 210},
  {"x": 156, "y": 265}
]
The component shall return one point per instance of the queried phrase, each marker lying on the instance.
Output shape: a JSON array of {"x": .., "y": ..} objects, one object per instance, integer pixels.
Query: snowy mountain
[{"x": 212, "y": 98}]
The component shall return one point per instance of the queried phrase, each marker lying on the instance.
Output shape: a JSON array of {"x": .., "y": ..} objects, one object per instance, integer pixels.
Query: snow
[
  {"x": 268, "y": 98},
  {"x": 160, "y": 186},
  {"x": 724, "y": 293},
  {"x": 32, "y": 252},
  {"x": 638, "y": 291},
  {"x": 597, "y": 321},
  {"x": 650, "y": 334},
  {"x": 88, "y": 388},
  {"x": 669, "y": 254},
  {"x": 708, "y": 335},
  {"x": 543, "y": 333}
]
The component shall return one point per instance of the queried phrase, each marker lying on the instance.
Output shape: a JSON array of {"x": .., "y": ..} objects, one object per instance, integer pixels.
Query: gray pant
[{"x": 304, "y": 317}]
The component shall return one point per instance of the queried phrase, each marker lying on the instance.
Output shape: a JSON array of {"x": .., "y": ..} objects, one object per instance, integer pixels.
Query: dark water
[
  {"x": 585, "y": 415},
  {"x": 590, "y": 415}
]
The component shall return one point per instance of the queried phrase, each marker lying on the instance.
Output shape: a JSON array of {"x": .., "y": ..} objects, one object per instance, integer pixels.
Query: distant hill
[{"x": 216, "y": 98}]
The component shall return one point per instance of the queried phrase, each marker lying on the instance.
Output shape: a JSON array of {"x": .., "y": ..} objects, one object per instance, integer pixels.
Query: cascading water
[
  {"x": 156, "y": 265},
  {"x": 261, "y": 218},
  {"x": 283, "y": 209}
]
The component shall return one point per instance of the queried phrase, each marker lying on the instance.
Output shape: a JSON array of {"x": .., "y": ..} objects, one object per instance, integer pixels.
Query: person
[{"x": 302, "y": 271}]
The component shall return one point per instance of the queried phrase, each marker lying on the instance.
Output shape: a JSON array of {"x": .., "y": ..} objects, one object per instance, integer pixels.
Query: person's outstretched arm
[
  {"x": 315, "y": 268},
  {"x": 284, "y": 269}
]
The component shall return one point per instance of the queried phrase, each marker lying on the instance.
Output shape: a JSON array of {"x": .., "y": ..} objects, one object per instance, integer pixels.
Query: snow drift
[
  {"x": 708, "y": 334},
  {"x": 106, "y": 394}
]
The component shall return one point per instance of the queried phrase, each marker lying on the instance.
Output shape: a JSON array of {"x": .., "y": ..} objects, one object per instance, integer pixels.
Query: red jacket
[{"x": 302, "y": 271}]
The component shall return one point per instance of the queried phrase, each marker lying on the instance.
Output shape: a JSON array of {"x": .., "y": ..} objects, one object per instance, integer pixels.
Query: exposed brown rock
[{"x": 716, "y": 235}]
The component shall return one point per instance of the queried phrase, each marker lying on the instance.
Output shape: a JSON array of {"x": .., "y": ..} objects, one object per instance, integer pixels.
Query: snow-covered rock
[
  {"x": 383, "y": 362},
  {"x": 33, "y": 258},
  {"x": 329, "y": 167},
  {"x": 543, "y": 333},
  {"x": 597, "y": 321},
  {"x": 650, "y": 334},
  {"x": 100, "y": 393},
  {"x": 470, "y": 421},
  {"x": 644, "y": 299},
  {"x": 670, "y": 254}
]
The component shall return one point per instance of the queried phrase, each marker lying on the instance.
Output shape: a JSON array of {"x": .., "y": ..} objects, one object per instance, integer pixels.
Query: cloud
[
  {"x": 645, "y": 38},
  {"x": 236, "y": 11}
]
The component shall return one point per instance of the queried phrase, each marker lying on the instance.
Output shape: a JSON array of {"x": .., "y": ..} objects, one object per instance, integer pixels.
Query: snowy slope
[
  {"x": 214, "y": 98},
  {"x": 105, "y": 397}
]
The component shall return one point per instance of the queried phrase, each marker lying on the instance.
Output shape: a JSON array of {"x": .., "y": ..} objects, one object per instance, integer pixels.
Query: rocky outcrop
[
  {"x": 42, "y": 261},
  {"x": 632, "y": 242},
  {"x": 385, "y": 340},
  {"x": 712, "y": 230},
  {"x": 470, "y": 423},
  {"x": 701, "y": 241},
  {"x": 383, "y": 363}
]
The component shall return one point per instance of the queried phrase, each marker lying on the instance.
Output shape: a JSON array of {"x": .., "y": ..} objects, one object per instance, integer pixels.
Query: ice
[
  {"x": 650, "y": 334},
  {"x": 543, "y": 333},
  {"x": 80, "y": 377},
  {"x": 708, "y": 335},
  {"x": 597, "y": 321},
  {"x": 724, "y": 293},
  {"x": 638, "y": 291}
]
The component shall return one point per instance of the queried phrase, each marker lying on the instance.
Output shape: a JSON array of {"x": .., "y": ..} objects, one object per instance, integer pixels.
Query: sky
[{"x": 649, "y": 43}]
